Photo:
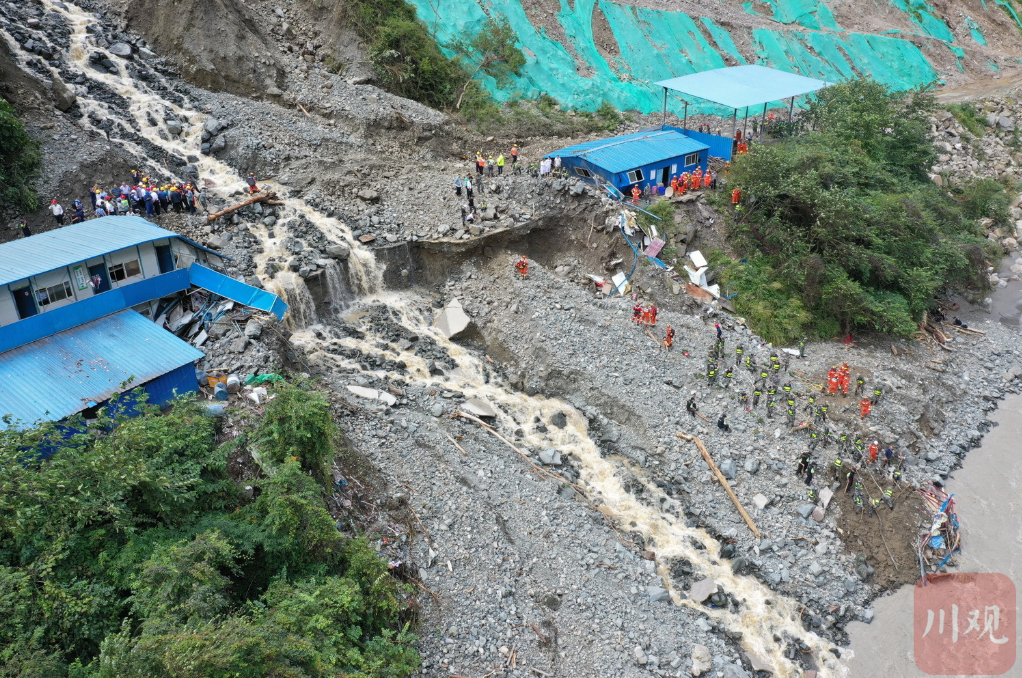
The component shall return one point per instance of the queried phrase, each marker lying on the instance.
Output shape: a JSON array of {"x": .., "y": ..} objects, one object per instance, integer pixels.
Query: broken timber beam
[
  {"x": 268, "y": 197},
  {"x": 722, "y": 480}
]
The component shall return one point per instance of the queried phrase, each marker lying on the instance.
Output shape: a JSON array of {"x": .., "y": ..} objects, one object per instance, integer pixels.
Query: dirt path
[{"x": 1007, "y": 81}]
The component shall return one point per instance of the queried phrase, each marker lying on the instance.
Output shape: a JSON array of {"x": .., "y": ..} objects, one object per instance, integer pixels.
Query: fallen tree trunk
[
  {"x": 723, "y": 481},
  {"x": 267, "y": 197}
]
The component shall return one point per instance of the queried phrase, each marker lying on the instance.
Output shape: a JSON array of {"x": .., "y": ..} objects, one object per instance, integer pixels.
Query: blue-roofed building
[
  {"x": 71, "y": 304},
  {"x": 646, "y": 159}
]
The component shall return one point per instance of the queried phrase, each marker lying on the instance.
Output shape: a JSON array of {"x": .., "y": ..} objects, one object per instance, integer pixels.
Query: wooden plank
[{"x": 723, "y": 481}]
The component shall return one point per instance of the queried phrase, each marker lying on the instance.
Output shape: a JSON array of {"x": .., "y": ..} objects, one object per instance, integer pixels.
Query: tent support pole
[
  {"x": 684, "y": 124},
  {"x": 762, "y": 120},
  {"x": 734, "y": 124},
  {"x": 664, "y": 123},
  {"x": 745, "y": 126},
  {"x": 791, "y": 110}
]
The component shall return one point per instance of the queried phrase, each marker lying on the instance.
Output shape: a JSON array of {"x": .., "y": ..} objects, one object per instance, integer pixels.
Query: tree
[
  {"x": 129, "y": 553},
  {"x": 494, "y": 51},
  {"x": 19, "y": 163},
  {"x": 843, "y": 220}
]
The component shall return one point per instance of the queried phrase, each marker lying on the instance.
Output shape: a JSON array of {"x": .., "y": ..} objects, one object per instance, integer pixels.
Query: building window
[
  {"x": 52, "y": 295},
  {"x": 582, "y": 172},
  {"x": 635, "y": 176},
  {"x": 128, "y": 269},
  {"x": 691, "y": 159}
]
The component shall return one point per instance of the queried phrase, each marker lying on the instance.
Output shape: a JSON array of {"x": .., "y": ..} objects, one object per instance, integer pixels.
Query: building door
[
  {"x": 165, "y": 258},
  {"x": 24, "y": 301},
  {"x": 666, "y": 179},
  {"x": 100, "y": 278}
]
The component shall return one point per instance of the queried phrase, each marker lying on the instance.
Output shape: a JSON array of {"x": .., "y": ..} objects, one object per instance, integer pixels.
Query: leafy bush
[
  {"x": 844, "y": 221},
  {"x": 19, "y": 163},
  {"x": 297, "y": 424},
  {"x": 129, "y": 553}
]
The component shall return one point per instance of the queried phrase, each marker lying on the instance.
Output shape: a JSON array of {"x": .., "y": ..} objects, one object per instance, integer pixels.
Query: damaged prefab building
[
  {"x": 82, "y": 310},
  {"x": 647, "y": 159}
]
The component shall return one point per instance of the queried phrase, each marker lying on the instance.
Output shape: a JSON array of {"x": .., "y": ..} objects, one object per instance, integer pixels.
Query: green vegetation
[
  {"x": 19, "y": 163},
  {"x": 544, "y": 117},
  {"x": 493, "y": 52},
  {"x": 840, "y": 228},
  {"x": 410, "y": 63},
  {"x": 968, "y": 117},
  {"x": 130, "y": 553}
]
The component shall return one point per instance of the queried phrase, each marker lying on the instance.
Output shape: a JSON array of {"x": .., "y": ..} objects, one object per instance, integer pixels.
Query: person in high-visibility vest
[
  {"x": 514, "y": 155},
  {"x": 500, "y": 165}
]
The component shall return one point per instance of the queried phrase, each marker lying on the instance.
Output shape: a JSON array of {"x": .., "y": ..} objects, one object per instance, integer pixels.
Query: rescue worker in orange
[
  {"x": 832, "y": 381},
  {"x": 683, "y": 183},
  {"x": 523, "y": 266},
  {"x": 697, "y": 178},
  {"x": 669, "y": 338},
  {"x": 843, "y": 378},
  {"x": 637, "y": 314},
  {"x": 874, "y": 451},
  {"x": 674, "y": 184},
  {"x": 636, "y": 192},
  {"x": 707, "y": 178},
  {"x": 652, "y": 314},
  {"x": 735, "y": 197},
  {"x": 866, "y": 406}
]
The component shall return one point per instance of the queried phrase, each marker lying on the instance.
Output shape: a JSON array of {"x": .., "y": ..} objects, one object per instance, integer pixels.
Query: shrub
[
  {"x": 19, "y": 163},
  {"x": 842, "y": 226}
]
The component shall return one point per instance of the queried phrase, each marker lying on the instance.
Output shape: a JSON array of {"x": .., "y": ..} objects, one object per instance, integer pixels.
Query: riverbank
[{"x": 988, "y": 495}]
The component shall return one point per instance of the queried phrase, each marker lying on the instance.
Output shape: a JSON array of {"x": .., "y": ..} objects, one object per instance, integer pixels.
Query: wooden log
[
  {"x": 259, "y": 197},
  {"x": 723, "y": 481}
]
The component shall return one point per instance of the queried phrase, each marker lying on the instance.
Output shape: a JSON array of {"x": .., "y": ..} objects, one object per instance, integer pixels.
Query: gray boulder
[
  {"x": 729, "y": 469},
  {"x": 369, "y": 195},
  {"x": 121, "y": 49},
  {"x": 174, "y": 127},
  {"x": 63, "y": 97},
  {"x": 337, "y": 251},
  {"x": 657, "y": 594},
  {"x": 550, "y": 456}
]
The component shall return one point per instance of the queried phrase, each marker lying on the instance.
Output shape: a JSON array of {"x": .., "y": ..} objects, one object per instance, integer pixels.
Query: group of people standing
[
  {"x": 854, "y": 460},
  {"x": 143, "y": 197}
]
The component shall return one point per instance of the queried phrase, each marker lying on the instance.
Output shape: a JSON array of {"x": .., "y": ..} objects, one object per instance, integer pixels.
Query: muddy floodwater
[{"x": 988, "y": 496}]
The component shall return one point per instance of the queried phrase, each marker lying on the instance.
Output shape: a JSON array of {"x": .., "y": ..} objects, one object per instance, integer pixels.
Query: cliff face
[
  {"x": 589, "y": 51},
  {"x": 222, "y": 45}
]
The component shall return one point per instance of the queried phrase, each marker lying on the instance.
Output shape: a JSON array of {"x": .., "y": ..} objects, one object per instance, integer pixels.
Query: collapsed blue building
[{"x": 82, "y": 310}]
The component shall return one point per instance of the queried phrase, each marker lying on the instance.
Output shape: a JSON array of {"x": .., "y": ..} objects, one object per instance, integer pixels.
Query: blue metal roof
[
  {"x": 740, "y": 86},
  {"x": 620, "y": 154},
  {"x": 225, "y": 286},
  {"x": 67, "y": 372},
  {"x": 68, "y": 245}
]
